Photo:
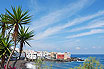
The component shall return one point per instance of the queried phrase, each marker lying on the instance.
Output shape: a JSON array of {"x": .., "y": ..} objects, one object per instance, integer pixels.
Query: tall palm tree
[
  {"x": 16, "y": 19},
  {"x": 3, "y": 28},
  {"x": 5, "y": 44},
  {"x": 23, "y": 37}
]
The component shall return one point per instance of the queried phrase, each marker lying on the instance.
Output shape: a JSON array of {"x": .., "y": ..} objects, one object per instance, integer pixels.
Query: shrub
[{"x": 90, "y": 63}]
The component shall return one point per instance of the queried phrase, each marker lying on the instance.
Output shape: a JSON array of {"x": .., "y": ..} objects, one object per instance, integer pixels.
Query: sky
[{"x": 75, "y": 26}]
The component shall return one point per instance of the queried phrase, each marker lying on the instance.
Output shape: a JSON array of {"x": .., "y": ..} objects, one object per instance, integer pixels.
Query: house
[
  {"x": 60, "y": 56},
  {"x": 39, "y": 54},
  {"x": 47, "y": 55},
  {"x": 53, "y": 55},
  {"x": 30, "y": 54},
  {"x": 64, "y": 56},
  {"x": 67, "y": 55}
]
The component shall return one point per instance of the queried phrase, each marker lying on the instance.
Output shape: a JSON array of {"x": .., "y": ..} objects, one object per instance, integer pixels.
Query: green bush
[
  {"x": 39, "y": 62},
  {"x": 90, "y": 63}
]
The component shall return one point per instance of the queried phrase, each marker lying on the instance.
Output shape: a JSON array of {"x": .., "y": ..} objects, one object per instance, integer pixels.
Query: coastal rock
[{"x": 30, "y": 65}]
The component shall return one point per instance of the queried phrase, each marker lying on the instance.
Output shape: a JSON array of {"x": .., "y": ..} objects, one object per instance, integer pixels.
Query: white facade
[
  {"x": 30, "y": 54},
  {"x": 47, "y": 55}
]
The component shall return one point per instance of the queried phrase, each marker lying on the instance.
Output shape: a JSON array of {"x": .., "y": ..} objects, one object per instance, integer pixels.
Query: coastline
[{"x": 56, "y": 65}]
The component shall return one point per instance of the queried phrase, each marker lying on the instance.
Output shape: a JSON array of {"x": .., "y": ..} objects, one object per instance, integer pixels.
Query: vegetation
[
  {"x": 12, "y": 33},
  {"x": 16, "y": 19},
  {"x": 90, "y": 63},
  {"x": 39, "y": 62},
  {"x": 11, "y": 23},
  {"x": 5, "y": 45},
  {"x": 24, "y": 35},
  {"x": 3, "y": 28}
]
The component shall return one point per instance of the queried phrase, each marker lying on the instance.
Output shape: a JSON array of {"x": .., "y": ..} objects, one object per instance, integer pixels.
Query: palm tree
[
  {"x": 2, "y": 24},
  {"x": 16, "y": 19},
  {"x": 23, "y": 37},
  {"x": 3, "y": 29},
  {"x": 5, "y": 44}
]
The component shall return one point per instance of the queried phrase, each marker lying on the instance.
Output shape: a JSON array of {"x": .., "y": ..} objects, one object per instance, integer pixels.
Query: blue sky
[{"x": 75, "y": 26}]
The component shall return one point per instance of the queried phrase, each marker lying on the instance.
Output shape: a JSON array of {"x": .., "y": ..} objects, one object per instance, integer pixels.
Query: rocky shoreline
[
  {"x": 21, "y": 64},
  {"x": 67, "y": 60}
]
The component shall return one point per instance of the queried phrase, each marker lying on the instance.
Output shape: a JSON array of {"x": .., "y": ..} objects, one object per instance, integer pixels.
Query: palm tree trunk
[
  {"x": 10, "y": 56},
  {"x": 2, "y": 61},
  {"x": 21, "y": 48},
  {"x": 15, "y": 34},
  {"x": 3, "y": 30},
  {"x": 3, "y": 56}
]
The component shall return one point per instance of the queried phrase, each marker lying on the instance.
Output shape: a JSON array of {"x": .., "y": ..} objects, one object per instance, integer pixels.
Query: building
[
  {"x": 63, "y": 55},
  {"x": 30, "y": 54},
  {"x": 60, "y": 56},
  {"x": 53, "y": 55},
  {"x": 47, "y": 55}
]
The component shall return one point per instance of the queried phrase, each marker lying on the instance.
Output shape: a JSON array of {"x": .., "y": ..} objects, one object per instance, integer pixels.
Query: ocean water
[{"x": 67, "y": 65}]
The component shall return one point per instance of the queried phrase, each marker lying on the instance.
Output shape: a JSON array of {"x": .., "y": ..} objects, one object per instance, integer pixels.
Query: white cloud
[
  {"x": 35, "y": 7},
  {"x": 78, "y": 48},
  {"x": 93, "y": 31},
  {"x": 58, "y": 15},
  {"x": 94, "y": 47},
  {"x": 41, "y": 45},
  {"x": 53, "y": 46},
  {"x": 56, "y": 29},
  {"x": 93, "y": 24}
]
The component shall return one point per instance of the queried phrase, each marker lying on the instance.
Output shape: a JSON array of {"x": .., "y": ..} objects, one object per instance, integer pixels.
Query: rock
[{"x": 30, "y": 66}]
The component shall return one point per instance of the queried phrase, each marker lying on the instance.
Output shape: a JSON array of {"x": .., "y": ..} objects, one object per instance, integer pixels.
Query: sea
[{"x": 67, "y": 65}]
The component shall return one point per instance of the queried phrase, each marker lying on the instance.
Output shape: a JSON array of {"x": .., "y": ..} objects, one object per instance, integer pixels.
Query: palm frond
[{"x": 25, "y": 35}]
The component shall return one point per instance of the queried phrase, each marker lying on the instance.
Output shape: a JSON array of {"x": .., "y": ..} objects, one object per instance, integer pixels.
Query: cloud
[
  {"x": 78, "y": 48},
  {"x": 56, "y": 29},
  {"x": 34, "y": 5},
  {"x": 92, "y": 24},
  {"x": 41, "y": 45},
  {"x": 64, "y": 45},
  {"x": 93, "y": 31},
  {"x": 60, "y": 14},
  {"x": 94, "y": 47}
]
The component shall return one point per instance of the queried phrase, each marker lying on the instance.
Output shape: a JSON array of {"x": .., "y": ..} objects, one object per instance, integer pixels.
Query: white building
[
  {"x": 30, "y": 54},
  {"x": 47, "y": 55}
]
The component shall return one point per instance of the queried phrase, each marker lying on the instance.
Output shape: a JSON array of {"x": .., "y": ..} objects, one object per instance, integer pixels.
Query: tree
[
  {"x": 3, "y": 28},
  {"x": 5, "y": 44},
  {"x": 16, "y": 19},
  {"x": 90, "y": 63},
  {"x": 23, "y": 37}
]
